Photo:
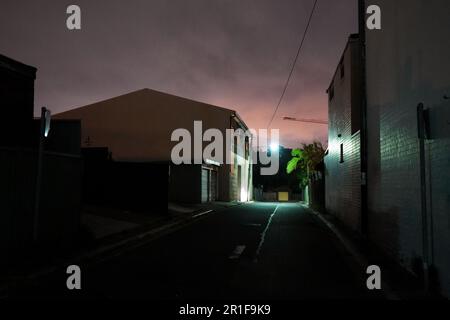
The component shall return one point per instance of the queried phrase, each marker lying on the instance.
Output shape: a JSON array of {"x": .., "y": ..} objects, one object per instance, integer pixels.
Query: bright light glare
[
  {"x": 274, "y": 147},
  {"x": 244, "y": 195}
]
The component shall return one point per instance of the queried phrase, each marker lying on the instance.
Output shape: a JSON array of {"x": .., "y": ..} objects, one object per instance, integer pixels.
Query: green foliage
[
  {"x": 296, "y": 153},
  {"x": 292, "y": 165},
  {"x": 305, "y": 160}
]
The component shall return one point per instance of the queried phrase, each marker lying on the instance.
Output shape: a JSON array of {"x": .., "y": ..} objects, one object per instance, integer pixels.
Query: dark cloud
[{"x": 234, "y": 53}]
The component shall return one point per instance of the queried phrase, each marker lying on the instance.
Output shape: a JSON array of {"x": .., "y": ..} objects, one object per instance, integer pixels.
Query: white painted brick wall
[
  {"x": 342, "y": 180},
  {"x": 407, "y": 63}
]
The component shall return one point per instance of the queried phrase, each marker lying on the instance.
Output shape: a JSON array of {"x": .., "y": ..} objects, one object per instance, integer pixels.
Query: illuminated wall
[
  {"x": 408, "y": 63},
  {"x": 342, "y": 163}
]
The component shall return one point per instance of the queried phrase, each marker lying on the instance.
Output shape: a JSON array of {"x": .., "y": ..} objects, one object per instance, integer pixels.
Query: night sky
[{"x": 232, "y": 53}]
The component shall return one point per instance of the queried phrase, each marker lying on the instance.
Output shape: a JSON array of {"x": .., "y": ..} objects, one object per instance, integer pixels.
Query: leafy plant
[{"x": 305, "y": 160}]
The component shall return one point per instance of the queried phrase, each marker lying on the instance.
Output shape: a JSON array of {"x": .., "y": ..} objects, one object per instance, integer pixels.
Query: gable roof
[{"x": 149, "y": 93}]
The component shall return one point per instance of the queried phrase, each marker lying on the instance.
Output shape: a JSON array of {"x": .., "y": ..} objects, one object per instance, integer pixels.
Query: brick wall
[
  {"x": 342, "y": 179},
  {"x": 407, "y": 63}
]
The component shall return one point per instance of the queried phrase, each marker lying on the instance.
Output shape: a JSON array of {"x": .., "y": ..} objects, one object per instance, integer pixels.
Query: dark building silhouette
[
  {"x": 137, "y": 128},
  {"x": 17, "y": 102},
  {"x": 34, "y": 222}
]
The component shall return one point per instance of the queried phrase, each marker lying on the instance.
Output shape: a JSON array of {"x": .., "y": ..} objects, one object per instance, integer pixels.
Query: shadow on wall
[
  {"x": 139, "y": 187},
  {"x": 60, "y": 203}
]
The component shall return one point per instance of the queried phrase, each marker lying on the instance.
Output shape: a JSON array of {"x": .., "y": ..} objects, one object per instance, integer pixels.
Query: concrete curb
[{"x": 354, "y": 252}]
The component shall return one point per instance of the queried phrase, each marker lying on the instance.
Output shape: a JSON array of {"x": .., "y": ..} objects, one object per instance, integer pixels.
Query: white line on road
[
  {"x": 263, "y": 235},
  {"x": 237, "y": 252},
  {"x": 201, "y": 213}
]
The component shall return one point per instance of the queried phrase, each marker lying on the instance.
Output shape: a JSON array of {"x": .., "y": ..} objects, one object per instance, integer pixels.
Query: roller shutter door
[
  {"x": 205, "y": 185},
  {"x": 213, "y": 185}
]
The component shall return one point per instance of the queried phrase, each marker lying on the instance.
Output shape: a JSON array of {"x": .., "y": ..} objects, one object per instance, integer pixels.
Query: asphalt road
[{"x": 251, "y": 251}]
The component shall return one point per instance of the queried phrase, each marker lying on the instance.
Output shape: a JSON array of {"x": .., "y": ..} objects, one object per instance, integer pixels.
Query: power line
[
  {"x": 306, "y": 120},
  {"x": 293, "y": 65}
]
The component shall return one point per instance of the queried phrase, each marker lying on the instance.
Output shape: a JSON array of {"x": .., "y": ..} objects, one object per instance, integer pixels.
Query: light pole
[{"x": 43, "y": 133}]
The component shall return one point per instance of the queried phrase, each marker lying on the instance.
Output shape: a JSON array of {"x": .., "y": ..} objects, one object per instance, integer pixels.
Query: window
[{"x": 342, "y": 154}]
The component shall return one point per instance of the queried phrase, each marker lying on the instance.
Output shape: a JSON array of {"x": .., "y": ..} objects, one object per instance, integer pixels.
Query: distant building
[
  {"x": 279, "y": 187},
  {"x": 343, "y": 160},
  {"x": 137, "y": 127}
]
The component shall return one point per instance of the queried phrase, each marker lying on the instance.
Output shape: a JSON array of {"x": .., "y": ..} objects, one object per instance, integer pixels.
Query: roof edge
[
  {"x": 231, "y": 111},
  {"x": 351, "y": 38},
  {"x": 17, "y": 66}
]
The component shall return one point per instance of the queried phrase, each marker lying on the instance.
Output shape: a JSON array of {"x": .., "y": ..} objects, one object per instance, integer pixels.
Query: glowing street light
[{"x": 274, "y": 147}]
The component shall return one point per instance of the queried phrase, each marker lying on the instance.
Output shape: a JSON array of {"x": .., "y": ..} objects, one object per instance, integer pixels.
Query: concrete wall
[
  {"x": 408, "y": 63},
  {"x": 342, "y": 179}
]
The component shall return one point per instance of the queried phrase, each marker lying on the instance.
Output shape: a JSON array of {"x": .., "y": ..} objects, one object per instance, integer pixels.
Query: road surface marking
[
  {"x": 201, "y": 213},
  {"x": 237, "y": 252},
  {"x": 263, "y": 235}
]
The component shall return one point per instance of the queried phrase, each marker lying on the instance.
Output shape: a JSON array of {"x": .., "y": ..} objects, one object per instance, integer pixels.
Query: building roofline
[
  {"x": 239, "y": 119},
  {"x": 153, "y": 91},
  {"x": 17, "y": 66},
  {"x": 351, "y": 38}
]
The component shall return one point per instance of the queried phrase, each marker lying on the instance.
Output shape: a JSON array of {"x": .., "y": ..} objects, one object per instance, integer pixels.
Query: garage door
[{"x": 213, "y": 186}]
